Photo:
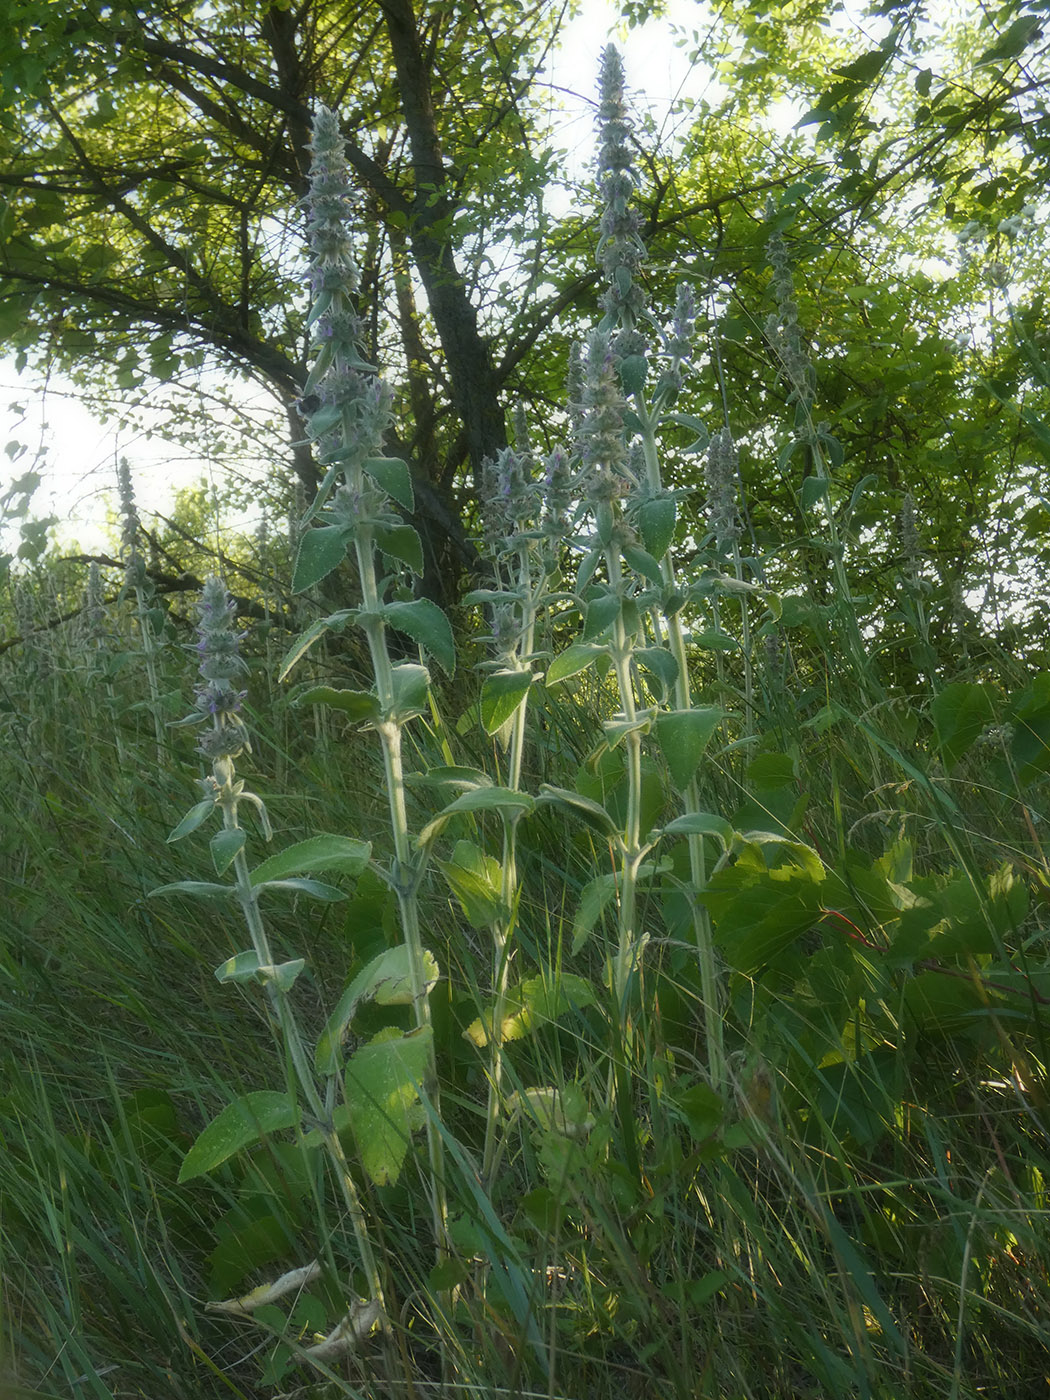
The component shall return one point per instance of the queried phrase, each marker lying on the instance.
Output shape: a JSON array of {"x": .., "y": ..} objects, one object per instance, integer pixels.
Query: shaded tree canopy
[{"x": 152, "y": 158}]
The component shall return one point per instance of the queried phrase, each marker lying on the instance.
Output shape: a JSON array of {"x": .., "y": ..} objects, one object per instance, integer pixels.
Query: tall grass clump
[{"x": 629, "y": 987}]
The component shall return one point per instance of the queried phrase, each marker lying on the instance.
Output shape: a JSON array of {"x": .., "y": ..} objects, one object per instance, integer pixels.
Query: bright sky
[{"x": 47, "y": 430}]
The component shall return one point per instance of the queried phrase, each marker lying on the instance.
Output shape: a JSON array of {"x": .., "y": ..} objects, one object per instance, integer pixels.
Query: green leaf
[
  {"x": 702, "y": 1109},
  {"x": 476, "y": 881},
  {"x": 507, "y": 801},
  {"x": 454, "y": 776},
  {"x": 321, "y": 550},
  {"x": 642, "y": 562},
  {"x": 360, "y": 706},
  {"x": 411, "y": 684},
  {"x": 701, "y": 824},
  {"x": 482, "y": 596},
  {"x": 601, "y": 613},
  {"x": 242, "y": 968},
  {"x": 593, "y": 813},
  {"x": 530, "y": 1005},
  {"x": 394, "y": 477},
  {"x": 798, "y": 854},
  {"x": 510, "y": 804},
  {"x": 248, "y": 1119},
  {"x": 594, "y": 897},
  {"x": 315, "y": 889},
  {"x": 960, "y": 713},
  {"x": 814, "y": 489},
  {"x": 633, "y": 369},
  {"x": 683, "y": 736},
  {"x": 316, "y": 630},
  {"x": 656, "y": 523},
  {"x": 572, "y": 660},
  {"x": 318, "y": 854},
  {"x": 193, "y": 819},
  {"x": 1030, "y": 714},
  {"x": 225, "y": 847},
  {"x": 711, "y": 639},
  {"x": 387, "y": 979},
  {"x": 447, "y": 1275},
  {"x": 1013, "y": 40},
  {"x": 383, "y": 1081},
  {"x": 246, "y": 967},
  {"x": 197, "y": 889},
  {"x": 501, "y": 695},
  {"x": 401, "y": 542},
  {"x": 426, "y": 624},
  {"x": 660, "y": 664},
  {"x": 867, "y": 67},
  {"x": 616, "y": 730},
  {"x": 762, "y": 922}
]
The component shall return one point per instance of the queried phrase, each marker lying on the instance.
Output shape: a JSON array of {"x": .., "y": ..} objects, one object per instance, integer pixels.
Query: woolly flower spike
[
  {"x": 134, "y": 565},
  {"x": 600, "y": 431},
  {"x": 219, "y": 651},
  {"x": 328, "y": 207},
  {"x": 683, "y": 327},
  {"x": 782, "y": 327},
  {"x": 557, "y": 493},
  {"x": 346, "y": 408},
  {"x": 620, "y": 249},
  {"x": 721, "y": 473}
]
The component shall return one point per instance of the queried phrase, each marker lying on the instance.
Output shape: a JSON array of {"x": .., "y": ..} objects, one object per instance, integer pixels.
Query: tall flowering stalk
[
  {"x": 635, "y": 517},
  {"x": 223, "y": 739},
  {"x": 347, "y": 408},
  {"x": 524, "y": 522}
]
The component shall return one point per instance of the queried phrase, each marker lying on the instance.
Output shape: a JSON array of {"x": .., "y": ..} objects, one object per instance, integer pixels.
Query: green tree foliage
[{"x": 152, "y": 159}]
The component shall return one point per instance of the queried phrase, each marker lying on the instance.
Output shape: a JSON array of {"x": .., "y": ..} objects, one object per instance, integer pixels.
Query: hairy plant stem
[
  {"x": 632, "y": 852},
  {"x": 405, "y": 871},
  {"x": 302, "y": 1070},
  {"x": 710, "y": 981},
  {"x": 503, "y": 930}
]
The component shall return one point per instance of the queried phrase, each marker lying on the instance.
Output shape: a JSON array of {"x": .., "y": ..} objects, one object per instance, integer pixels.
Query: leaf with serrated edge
[
  {"x": 382, "y": 1081},
  {"x": 426, "y": 624},
  {"x": 683, "y": 736},
  {"x": 394, "y": 477},
  {"x": 530, "y": 1004},
  {"x": 388, "y": 980}
]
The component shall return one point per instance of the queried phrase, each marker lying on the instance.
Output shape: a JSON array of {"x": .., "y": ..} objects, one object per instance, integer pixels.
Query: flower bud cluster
[
  {"x": 621, "y": 251},
  {"x": 678, "y": 342},
  {"x": 333, "y": 268},
  {"x": 94, "y": 610},
  {"x": 511, "y": 498},
  {"x": 600, "y": 431},
  {"x": 216, "y": 697},
  {"x": 134, "y": 564}
]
